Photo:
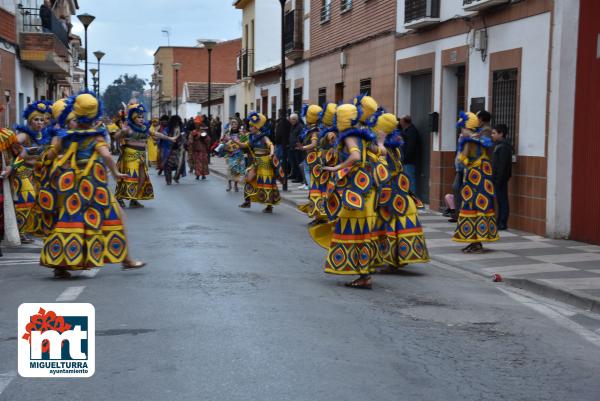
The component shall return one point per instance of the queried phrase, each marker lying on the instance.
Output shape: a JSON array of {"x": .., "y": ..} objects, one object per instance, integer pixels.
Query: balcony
[
  {"x": 292, "y": 38},
  {"x": 421, "y": 13},
  {"x": 245, "y": 63},
  {"x": 476, "y": 5},
  {"x": 44, "y": 49}
]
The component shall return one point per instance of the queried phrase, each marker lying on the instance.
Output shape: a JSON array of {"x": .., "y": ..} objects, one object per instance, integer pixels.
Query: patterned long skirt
[
  {"x": 88, "y": 233},
  {"x": 200, "y": 158},
  {"x": 263, "y": 187},
  {"x": 24, "y": 199},
  {"x": 137, "y": 185},
  {"x": 315, "y": 208},
  {"x": 401, "y": 239},
  {"x": 235, "y": 166},
  {"x": 477, "y": 220}
]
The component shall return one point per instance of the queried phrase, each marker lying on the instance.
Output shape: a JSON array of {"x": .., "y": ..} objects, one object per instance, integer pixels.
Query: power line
[{"x": 124, "y": 65}]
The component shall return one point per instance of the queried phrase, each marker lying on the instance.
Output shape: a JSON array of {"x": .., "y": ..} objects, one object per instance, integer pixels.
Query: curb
[{"x": 571, "y": 297}]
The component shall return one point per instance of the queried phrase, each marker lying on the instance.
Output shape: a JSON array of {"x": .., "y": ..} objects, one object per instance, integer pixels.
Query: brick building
[
  {"x": 8, "y": 60},
  {"x": 193, "y": 63}
]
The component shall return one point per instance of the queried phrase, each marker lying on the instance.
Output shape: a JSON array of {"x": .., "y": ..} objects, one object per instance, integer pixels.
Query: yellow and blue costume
[
  {"x": 137, "y": 185},
  {"x": 476, "y": 220},
  {"x": 400, "y": 234},
  {"x": 315, "y": 208},
  {"x": 88, "y": 231}
]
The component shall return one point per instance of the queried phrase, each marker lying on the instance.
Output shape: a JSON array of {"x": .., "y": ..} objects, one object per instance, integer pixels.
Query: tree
[{"x": 121, "y": 91}]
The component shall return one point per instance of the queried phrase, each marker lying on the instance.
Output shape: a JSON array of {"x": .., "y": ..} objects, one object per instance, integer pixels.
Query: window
[
  {"x": 322, "y": 96},
  {"x": 325, "y": 10},
  {"x": 504, "y": 101},
  {"x": 415, "y": 10},
  {"x": 365, "y": 87},
  {"x": 298, "y": 99},
  {"x": 346, "y": 5}
]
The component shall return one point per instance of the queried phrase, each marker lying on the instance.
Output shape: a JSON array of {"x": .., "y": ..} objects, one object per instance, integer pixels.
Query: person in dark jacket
[
  {"x": 46, "y": 16},
  {"x": 282, "y": 139},
  {"x": 410, "y": 150},
  {"x": 502, "y": 171},
  {"x": 295, "y": 156}
]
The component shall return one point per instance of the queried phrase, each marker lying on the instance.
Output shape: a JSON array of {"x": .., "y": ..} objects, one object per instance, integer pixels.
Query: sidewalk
[{"x": 568, "y": 271}]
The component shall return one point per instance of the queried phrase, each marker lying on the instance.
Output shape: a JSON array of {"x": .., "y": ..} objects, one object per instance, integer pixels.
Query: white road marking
[
  {"x": 554, "y": 313},
  {"x": 5, "y": 379},
  {"x": 70, "y": 294},
  {"x": 90, "y": 273}
]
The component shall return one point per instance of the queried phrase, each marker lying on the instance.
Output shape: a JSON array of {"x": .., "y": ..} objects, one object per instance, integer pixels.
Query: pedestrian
[
  {"x": 45, "y": 13},
  {"x": 295, "y": 155},
  {"x": 239, "y": 120},
  {"x": 234, "y": 155},
  {"x": 281, "y": 140},
  {"x": 476, "y": 219},
  {"x": 261, "y": 185},
  {"x": 161, "y": 129},
  {"x": 309, "y": 143},
  {"x": 135, "y": 134},
  {"x": 410, "y": 150},
  {"x": 87, "y": 234},
  {"x": 152, "y": 145},
  {"x": 502, "y": 171},
  {"x": 9, "y": 230},
  {"x": 199, "y": 147},
  {"x": 485, "y": 125},
  {"x": 400, "y": 235}
]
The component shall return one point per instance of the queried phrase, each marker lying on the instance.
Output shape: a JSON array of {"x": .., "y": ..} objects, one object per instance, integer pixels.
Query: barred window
[
  {"x": 504, "y": 101},
  {"x": 322, "y": 96},
  {"x": 365, "y": 87},
  {"x": 298, "y": 99}
]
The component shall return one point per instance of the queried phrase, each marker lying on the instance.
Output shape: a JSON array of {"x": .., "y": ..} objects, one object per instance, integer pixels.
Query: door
[
  {"x": 339, "y": 92},
  {"x": 232, "y": 102},
  {"x": 420, "y": 107},
  {"x": 585, "y": 209},
  {"x": 265, "y": 106}
]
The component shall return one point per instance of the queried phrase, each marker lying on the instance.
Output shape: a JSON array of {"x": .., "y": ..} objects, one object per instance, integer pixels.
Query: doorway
[
  {"x": 420, "y": 107},
  {"x": 339, "y": 92}
]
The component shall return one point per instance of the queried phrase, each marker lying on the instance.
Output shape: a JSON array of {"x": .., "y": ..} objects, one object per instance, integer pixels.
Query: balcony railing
[
  {"x": 31, "y": 22},
  {"x": 245, "y": 63},
  {"x": 415, "y": 10}
]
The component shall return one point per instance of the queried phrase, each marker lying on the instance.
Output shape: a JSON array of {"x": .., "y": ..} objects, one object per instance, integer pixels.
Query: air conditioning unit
[
  {"x": 476, "y": 5},
  {"x": 479, "y": 40}
]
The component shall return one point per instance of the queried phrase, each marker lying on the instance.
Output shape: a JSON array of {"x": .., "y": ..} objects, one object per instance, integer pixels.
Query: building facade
[{"x": 193, "y": 67}]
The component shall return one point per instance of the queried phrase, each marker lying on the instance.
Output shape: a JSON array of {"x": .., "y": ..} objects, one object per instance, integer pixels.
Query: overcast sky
[{"x": 129, "y": 31}]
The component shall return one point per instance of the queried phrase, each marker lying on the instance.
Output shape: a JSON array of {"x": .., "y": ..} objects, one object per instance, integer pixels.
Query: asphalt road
[{"x": 233, "y": 305}]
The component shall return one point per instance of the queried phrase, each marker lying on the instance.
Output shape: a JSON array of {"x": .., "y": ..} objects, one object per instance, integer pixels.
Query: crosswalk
[{"x": 26, "y": 254}]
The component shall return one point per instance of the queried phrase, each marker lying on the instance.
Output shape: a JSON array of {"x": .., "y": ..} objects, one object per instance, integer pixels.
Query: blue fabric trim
[
  {"x": 255, "y": 139},
  {"x": 394, "y": 140},
  {"x": 305, "y": 107},
  {"x": 325, "y": 130},
  {"x": 35, "y": 106},
  {"x": 360, "y": 133},
  {"x": 484, "y": 141},
  {"x": 36, "y": 137},
  {"x": 137, "y": 128},
  {"x": 372, "y": 121}
]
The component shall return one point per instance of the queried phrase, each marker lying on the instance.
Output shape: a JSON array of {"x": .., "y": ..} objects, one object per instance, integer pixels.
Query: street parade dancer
[
  {"x": 400, "y": 235},
  {"x": 234, "y": 155},
  {"x": 171, "y": 149},
  {"x": 199, "y": 148},
  {"x": 152, "y": 143},
  {"x": 349, "y": 238},
  {"x": 89, "y": 231},
  {"x": 476, "y": 219},
  {"x": 31, "y": 140},
  {"x": 261, "y": 178},
  {"x": 132, "y": 162},
  {"x": 9, "y": 229},
  {"x": 327, "y": 150},
  {"x": 160, "y": 129},
  {"x": 309, "y": 143}
]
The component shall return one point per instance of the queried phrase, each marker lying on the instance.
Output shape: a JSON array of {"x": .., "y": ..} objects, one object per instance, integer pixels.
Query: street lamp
[
  {"x": 86, "y": 20},
  {"x": 176, "y": 67},
  {"x": 99, "y": 56},
  {"x": 209, "y": 45},
  {"x": 284, "y": 185},
  {"x": 94, "y": 79}
]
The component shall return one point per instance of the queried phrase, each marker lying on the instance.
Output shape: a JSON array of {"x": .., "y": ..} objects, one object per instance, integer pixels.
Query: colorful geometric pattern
[
  {"x": 476, "y": 220},
  {"x": 263, "y": 188},
  {"x": 137, "y": 185},
  {"x": 24, "y": 199}
]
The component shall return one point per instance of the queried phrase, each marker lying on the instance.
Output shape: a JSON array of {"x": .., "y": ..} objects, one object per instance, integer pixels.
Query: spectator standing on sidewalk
[
  {"x": 485, "y": 126},
  {"x": 295, "y": 155},
  {"x": 281, "y": 139},
  {"x": 410, "y": 151},
  {"x": 502, "y": 171}
]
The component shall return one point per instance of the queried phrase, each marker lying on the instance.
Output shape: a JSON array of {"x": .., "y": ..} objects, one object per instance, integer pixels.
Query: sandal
[
  {"x": 138, "y": 264},
  {"x": 360, "y": 283},
  {"x": 61, "y": 273},
  {"x": 245, "y": 205},
  {"x": 135, "y": 204},
  {"x": 268, "y": 209},
  {"x": 391, "y": 269}
]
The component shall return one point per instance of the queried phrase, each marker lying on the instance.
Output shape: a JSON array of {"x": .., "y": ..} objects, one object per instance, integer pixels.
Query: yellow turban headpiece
[
  {"x": 366, "y": 106},
  {"x": 386, "y": 122},
  {"x": 257, "y": 120},
  {"x": 467, "y": 120},
  {"x": 328, "y": 114},
  {"x": 346, "y": 117},
  {"x": 311, "y": 113}
]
